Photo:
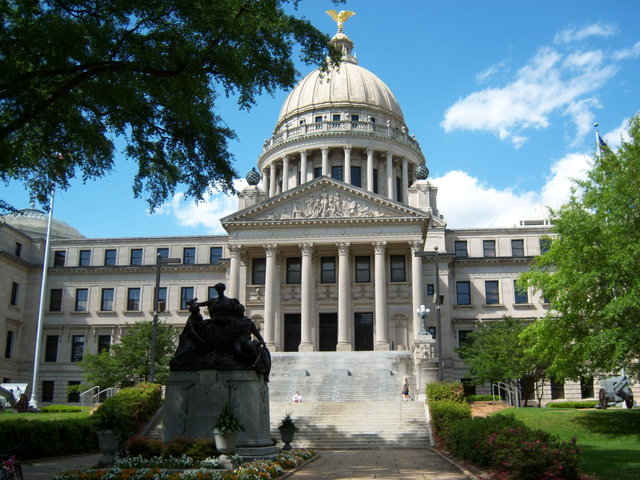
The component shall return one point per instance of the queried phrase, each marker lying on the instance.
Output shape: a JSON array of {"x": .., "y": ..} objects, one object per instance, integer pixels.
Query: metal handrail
[
  {"x": 512, "y": 393},
  {"x": 108, "y": 391},
  {"x": 86, "y": 392}
]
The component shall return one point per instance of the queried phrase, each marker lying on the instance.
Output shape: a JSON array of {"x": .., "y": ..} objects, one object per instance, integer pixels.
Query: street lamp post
[{"x": 156, "y": 310}]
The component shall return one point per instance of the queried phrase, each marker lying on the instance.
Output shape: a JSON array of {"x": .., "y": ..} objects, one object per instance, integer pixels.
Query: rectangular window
[
  {"x": 51, "y": 348},
  {"x": 398, "y": 271},
  {"x": 586, "y": 387},
  {"x": 104, "y": 343},
  {"x": 328, "y": 270},
  {"x": 356, "y": 176},
  {"x": 463, "y": 293},
  {"x": 136, "y": 256},
  {"x": 18, "y": 250},
  {"x": 59, "y": 257},
  {"x": 77, "y": 348},
  {"x": 545, "y": 245},
  {"x": 186, "y": 295},
  {"x": 84, "y": 258},
  {"x": 212, "y": 293},
  {"x": 363, "y": 269},
  {"x": 317, "y": 172},
  {"x": 557, "y": 389},
  {"x": 461, "y": 248},
  {"x": 517, "y": 248},
  {"x": 335, "y": 117},
  {"x": 162, "y": 299},
  {"x": 489, "y": 248},
  {"x": 337, "y": 172},
  {"x": 162, "y": 252},
  {"x": 106, "y": 300},
  {"x": 74, "y": 395},
  {"x": 13, "y": 300},
  {"x": 294, "y": 270},
  {"x": 433, "y": 331},
  {"x": 82, "y": 299},
  {"x": 110, "y": 255},
  {"x": 133, "y": 299},
  {"x": 318, "y": 119},
  {"x": 258, "y": 271},
  {"x": 431, "y": 289},
  {"x": 463, "y": 336},
  {"x": 520, "y": 297},
  {"x": 215, "y": 254},
  {"x": 55, "y": 300},
  {"x": 189, "y": 255},
  {"x": 399, "y": 189},
  {"x": 47, "y": 390},
  {"x": 355, "y": 118},
  {"x": 491, "y": 292},
  {"x": 376, "y": 188},
  {"x": 8, "y": 346}
]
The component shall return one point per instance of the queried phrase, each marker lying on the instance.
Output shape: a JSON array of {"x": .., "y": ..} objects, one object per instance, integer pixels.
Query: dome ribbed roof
[
  {"x": 347, "y": 85},
  {"x": 34, "y": 223}
]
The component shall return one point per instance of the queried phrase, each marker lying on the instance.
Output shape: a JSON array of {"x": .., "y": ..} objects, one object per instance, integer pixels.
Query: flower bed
[{"x": 185, "y": 468}]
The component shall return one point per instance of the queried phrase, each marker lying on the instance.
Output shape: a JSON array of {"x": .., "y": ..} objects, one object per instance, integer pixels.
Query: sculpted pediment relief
[{"x": 323, "y": 205}]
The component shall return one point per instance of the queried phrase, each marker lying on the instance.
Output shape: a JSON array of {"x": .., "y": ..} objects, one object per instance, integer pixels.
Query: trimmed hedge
[
  {"x": 196, "y": 448},
  {"x": 444, "y": 414},
  {"x": 584, "y": 404},
  {"x": 60, "y": 409},
  {"x": 483, "y": 398},
  {"x": 39, "y": 438},
  {"x": 444, "y": 391}
]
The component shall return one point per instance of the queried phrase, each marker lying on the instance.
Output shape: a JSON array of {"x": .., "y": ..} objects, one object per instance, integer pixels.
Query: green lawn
[
  {"x": 609, "y": 440},
  {"x": 12, "y": 415}
]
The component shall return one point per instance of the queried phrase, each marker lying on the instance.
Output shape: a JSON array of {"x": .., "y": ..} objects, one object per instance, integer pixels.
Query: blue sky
[{"x": 501, "y": 94}]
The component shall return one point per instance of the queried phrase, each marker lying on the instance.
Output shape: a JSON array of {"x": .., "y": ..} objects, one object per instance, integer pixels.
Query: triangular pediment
[{"x": 325, "y": 199}]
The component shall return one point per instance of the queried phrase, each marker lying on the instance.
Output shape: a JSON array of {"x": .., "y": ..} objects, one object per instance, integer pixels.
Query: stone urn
[
  {"x": 108, "y": 443},
  {"x": 287, "y": 437},
  {"x": 226, "y": 443}
]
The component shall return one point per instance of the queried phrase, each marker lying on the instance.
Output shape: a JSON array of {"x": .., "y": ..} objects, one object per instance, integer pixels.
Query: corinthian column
[
  {"x": 269, "y": 296},
  {"x": 344, "y": 291},
  {"x": 285, "y": 173},
  {"x": 405, "y": 179},
  {"x": 272, "y": 178},
  {"x": 381, "y": 341},
  {"x": 347, "y": 164},
  {"x": 234, "y": 277},
  {"x": 307, "y": 298},
  {"x": 325, "y": 161},
  {"x": 416, "y": 285},
  {"x": 303, "y": 166},
  {"x": 369, "y": 169},
  {"x": 390, "y": 177}
]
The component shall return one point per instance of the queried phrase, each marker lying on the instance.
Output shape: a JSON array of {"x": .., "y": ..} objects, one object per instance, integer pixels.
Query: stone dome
[
  {"x": 348, "y": 85},
  {"x": 33, "y": 222}
]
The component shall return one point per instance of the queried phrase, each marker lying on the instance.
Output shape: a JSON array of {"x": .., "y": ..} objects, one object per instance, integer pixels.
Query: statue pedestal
[{"x": 193, "y": 401}]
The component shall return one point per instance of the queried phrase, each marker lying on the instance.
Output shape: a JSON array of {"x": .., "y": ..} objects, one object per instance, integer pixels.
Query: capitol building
[{"x": 337, "y": 243}]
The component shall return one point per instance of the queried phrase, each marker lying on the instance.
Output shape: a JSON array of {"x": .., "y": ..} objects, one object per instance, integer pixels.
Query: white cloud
[
  {"x": 596, "y": 30},
  {"x": 553, "y": 81},
  {"x": 489, "y": 72},
  {"x": 467, "y": 202},
  {"x": 615, "y": 137},
  {"x": 207, "y": 213}
]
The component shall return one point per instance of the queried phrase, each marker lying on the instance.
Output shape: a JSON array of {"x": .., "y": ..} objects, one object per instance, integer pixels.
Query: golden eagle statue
[{"x": 341, "y": 17}]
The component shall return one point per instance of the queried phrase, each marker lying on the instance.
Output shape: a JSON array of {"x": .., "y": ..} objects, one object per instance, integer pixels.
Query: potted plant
[
  {"x": 287, "y": 429},
  {"x": 107, "y": 424},
  {"x": 226, "y": 430}
]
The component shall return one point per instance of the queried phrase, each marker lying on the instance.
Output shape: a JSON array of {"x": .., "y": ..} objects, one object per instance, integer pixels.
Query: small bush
[
  {"x": 584, "y": 404},
  {"x": 445, "y": 391},
  {"x": 483, "y": 398},
  {"x": 60, "y": 409},
  {"x": 444, "y": 414},
  {"x": 145, "y": 447},
  {"x": 201, "y": 448}
]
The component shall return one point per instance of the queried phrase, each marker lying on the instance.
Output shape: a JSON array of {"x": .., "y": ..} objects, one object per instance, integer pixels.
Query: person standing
[{"x": 405, "y": 389}]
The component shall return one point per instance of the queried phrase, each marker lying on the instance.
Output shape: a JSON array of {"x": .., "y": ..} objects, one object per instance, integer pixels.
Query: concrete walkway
[{"x": 423, "y": 464}]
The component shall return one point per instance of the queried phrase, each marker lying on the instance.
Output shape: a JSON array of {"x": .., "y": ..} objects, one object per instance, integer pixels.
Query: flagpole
[
  {"x": 33, "y": 402},
  {"x": 598, "y": 141}
]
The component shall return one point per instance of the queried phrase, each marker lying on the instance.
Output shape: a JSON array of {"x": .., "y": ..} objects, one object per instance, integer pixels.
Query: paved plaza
[{"x": 423, "y": 464}]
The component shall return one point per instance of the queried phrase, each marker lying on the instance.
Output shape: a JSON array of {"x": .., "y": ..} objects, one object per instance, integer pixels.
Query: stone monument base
[{"x": 193, "y": 401}]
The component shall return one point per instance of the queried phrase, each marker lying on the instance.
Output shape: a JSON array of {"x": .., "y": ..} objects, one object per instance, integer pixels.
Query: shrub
[
  {"x": 483, "y": 398},
  {"x": 201, "y": 448},
  {"x": 60, "y": 409},
  {"x": 444, "y": 414},
  {"x": 583, "y": 404},
  {"x": 444, "y": 391},
  {"x": 145, "y": 447}
]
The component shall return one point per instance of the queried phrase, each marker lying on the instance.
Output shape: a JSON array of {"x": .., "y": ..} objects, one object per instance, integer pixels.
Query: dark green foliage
[
  {"x": 444, "y": 414},
  {"x": 144, "y": 447},
  {"x": 590, "y": 273},
  {"x": 198, "y": 449},
  {"x": 582, "y": 404},
  {"x": 444, "y": 391},
  {"x": 131, "y": 407},
  {"x": 127, "y": 362},
  {"x": 47, "y": 438},
  {"x": 228, "y": 421},
  {"x": 76, "y": 74},
  {"x": 483, "y": 398}
]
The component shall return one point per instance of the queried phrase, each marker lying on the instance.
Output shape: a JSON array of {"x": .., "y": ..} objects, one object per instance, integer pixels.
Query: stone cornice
[
  {"x": 19, "y": 262},
  {"x": 198, "y": 267},
  {"x": 495, "y": 260}
]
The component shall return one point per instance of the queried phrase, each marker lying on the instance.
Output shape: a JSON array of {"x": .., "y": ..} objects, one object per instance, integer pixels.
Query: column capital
[
  {"x": 415, "y": 246},
  {"x": 379, "y": 247},
  {"x": 285, "y": 158},
  {"x": 235, "y": 249},
  {"x": 271, "y": 249},
  {"x": 389, "y": 155},
  {"x": 347, "y": 148},
  {"x": 303, "y": 152},
  {"x": 343, "y": 248},
  {"x": 370, "y": 151},
  {"x": 325, "y": 149},
  {"x": 306, "y": 248}
]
